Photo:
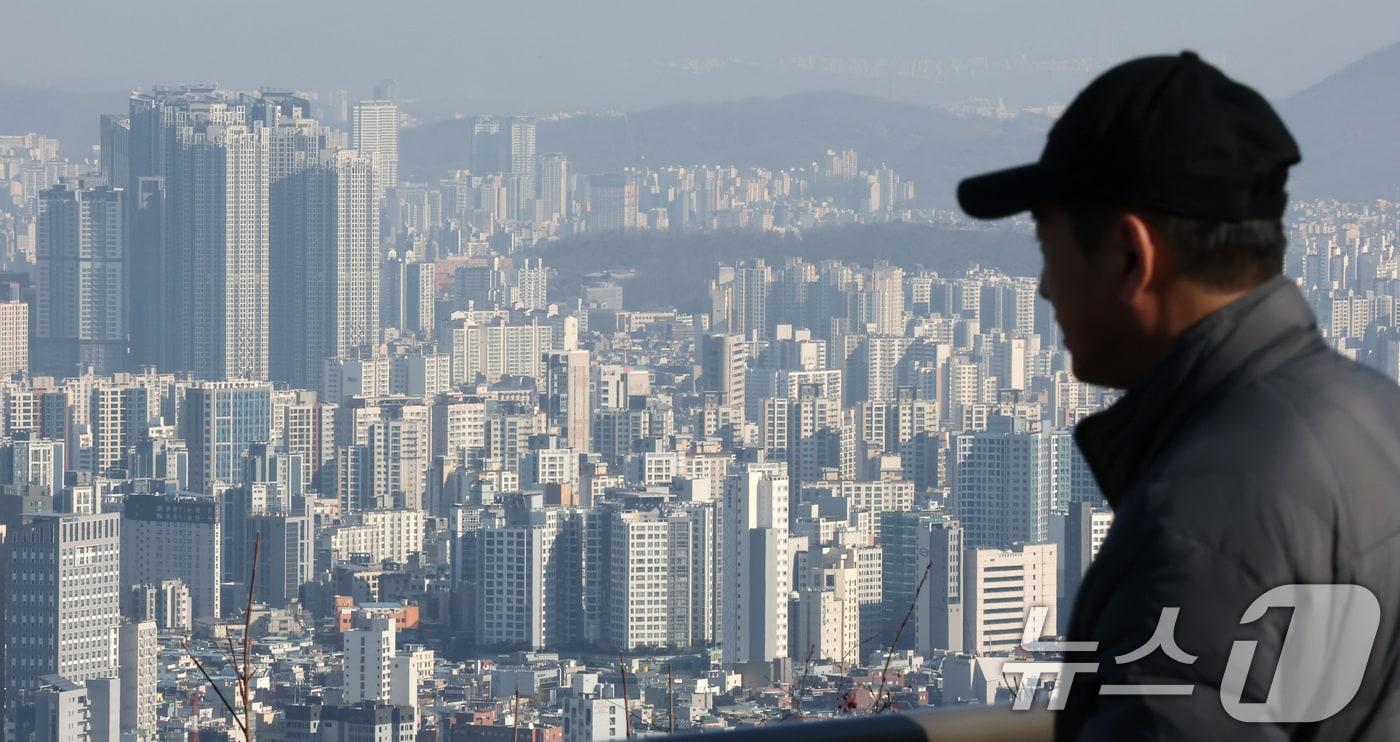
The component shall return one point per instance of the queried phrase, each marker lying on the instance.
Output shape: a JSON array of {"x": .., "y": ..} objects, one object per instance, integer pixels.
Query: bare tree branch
[
  {"x": 242, "y": 672},
  {"x": 515, "y": 717},
  {"x": 885, "y": 673},
  {"x": 200, "y": 666},
  {"x": 626, "y": 702},
  {"x": 670, "y": 700}
]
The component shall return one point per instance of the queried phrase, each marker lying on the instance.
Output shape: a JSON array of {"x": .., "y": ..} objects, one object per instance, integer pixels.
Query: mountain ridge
[
  {"x": 932, "y": 147},
  {"x": 1348, "y": 128},
  {"x": 1346, "y": 125}
]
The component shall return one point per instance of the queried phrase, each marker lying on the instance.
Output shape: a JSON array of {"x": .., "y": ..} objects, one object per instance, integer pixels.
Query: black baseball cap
[{"x": 1168, "y": 133}]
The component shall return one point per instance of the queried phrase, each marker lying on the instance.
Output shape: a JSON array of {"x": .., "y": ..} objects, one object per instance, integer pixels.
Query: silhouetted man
[{"x": 1248, "y": 587}]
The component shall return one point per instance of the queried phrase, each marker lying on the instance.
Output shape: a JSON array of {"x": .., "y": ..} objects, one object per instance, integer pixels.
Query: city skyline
[{"x": 546, "y": 436}]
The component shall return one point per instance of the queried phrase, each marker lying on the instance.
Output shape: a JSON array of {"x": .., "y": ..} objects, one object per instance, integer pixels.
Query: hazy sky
[{"x": 542, "y": 56}]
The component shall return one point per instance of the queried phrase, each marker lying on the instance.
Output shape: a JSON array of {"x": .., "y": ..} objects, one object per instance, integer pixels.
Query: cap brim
[{"x": 1005, "y": 192}]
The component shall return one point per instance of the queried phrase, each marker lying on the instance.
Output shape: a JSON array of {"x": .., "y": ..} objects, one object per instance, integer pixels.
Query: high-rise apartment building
[
  {"x": 484, "y": 153},
  {"x": 168, "y": 537},
  {"x": 61, "y": 710},
  {"x": 286, "y": 557},
  {"x": 612, "y": 203},
  {"x": 328, "y": 282},
  {"x": 650, "y": 581},
  {"x": 567, "y": 397},
  {"x": 826, "y": 621},
  {"x": 217, "y": 259},
  {"x": 1000, "y": 587},
  {"x": 145, "y": 212},
  {"x": 817, "y": 438},
  {"x": 220, "y": 421},
  {"x": 369, "y": 654},
  {"x": 114, "y": 146},
  {"x": 374, "y": 133},
  {"x": 490, "y": 351},
  {"x": 62, "y": 615},
  {"x": 614, "y": 385},
  {"x": 14, "y": 337},
  {"x": 1086, "y": 526},
  {"x": 756, "y": 565},
  {"x": 398, "y": 452},
  {"x": 28, "y": 460},
  {"x": 393, "y": 534},
  {"x": 80, "y": 315},
  {"x": 166, "y": 603},
  {"x": 723, "y": 369},
  {"x": 637, "y": 603},
  {"x": 522, "y": 150},
  {"x": 139, "y": 659},
  {"x": 883, "y": 300},
  {"x": 527, "y": 578},
  {"x": 923, "y": 543},
  {"x": 1001, "y": 483},
  {"x": 304, "y": 426},
  {"x": 874, "y": 371},
  {"x": 118, "y": 418},
  {"x": 197, "y": 221},
  {"x": 504, "y": 145},
  {"x": 407, "y": 295},
  {"x": 752, "y": 281},
  {"x": 531, "y": 285},
  {"x": 554, "y": 185},
  {"x": 616, "y": 431}
]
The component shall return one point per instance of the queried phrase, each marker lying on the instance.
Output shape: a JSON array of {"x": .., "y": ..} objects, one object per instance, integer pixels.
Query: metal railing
[{"x": 978, "y": 724}]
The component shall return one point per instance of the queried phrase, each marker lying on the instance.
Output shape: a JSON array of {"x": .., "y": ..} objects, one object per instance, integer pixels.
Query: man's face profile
[{"x": 1078, "y": 284}]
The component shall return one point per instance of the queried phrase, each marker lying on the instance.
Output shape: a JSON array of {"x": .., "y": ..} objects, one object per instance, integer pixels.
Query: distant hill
[
  {"x": 932, "y": 147},
  {"x": 1348, "y": 127}
]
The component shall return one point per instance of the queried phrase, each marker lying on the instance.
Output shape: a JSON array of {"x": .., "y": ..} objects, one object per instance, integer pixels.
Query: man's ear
[{"x": 1142, "y": 255}]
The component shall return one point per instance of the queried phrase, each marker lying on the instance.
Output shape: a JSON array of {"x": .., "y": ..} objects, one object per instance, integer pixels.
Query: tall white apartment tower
[
  {"x": 117, "y": 415},
  {"x": 554, "y": 185},
  {"x": 531, "y": 285},
  {"x": 636, "y": 608},
  {"x": 369, "y": 660},
  {"x": 753, "y": 281},
  {"x": 522, "y": 148},
  {"x": 14, "y": 337},
  {"x": 139, "y": 660},
  {"x": 827, "y": 621},
  {"x": 374, "y": 133},
  {"x": 528, "y": 573},
  {"x": 756, "y": 565},
  {"x": 884, "y": 300}
]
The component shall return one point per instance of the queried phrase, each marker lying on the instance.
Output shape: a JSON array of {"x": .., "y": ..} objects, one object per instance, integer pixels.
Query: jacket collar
[{"x": 1268, "y": 325}]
